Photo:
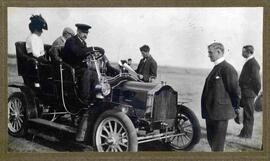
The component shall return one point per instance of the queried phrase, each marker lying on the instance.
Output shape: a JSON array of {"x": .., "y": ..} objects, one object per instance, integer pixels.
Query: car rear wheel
[
  {"x": 16, "y": 114},
  {"x": 114, "y": 132},
  {"x": 187, "y": 125}
]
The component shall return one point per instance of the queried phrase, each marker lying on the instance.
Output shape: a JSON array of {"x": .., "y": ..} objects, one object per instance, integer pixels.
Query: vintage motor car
[{"x": 131, "y": 112}]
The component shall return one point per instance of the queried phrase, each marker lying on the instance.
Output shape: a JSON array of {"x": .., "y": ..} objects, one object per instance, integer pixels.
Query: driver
[{"x": 75, "y": 54}]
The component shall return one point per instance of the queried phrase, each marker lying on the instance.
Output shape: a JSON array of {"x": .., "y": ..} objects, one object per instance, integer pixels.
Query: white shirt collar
[
  {"x": 218, "y": 61},
  {"x": 250, "y": 57}
]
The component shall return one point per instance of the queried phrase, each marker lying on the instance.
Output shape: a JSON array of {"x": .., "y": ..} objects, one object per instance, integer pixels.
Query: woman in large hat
[{"x": 34, "y": 43}]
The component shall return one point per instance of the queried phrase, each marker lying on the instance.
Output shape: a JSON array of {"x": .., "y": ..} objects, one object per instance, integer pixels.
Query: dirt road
[{"x": 48, "y": 144}]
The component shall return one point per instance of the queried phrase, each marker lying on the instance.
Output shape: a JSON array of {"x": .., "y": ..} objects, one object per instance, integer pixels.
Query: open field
[{"x": 188, "y": 83}]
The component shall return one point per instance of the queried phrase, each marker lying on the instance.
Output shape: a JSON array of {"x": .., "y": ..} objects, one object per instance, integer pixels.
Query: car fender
[{"x": 93, "y": 116}]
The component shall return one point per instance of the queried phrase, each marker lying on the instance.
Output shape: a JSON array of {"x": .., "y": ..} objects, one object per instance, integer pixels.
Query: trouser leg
[
  {"x": 216, "y": 134},
  {"x": 248, "y": 121},
  {"x": 85, "y": 83},
  {"x": 93, "y": 83},
  {"x": 209, "y": 131}
]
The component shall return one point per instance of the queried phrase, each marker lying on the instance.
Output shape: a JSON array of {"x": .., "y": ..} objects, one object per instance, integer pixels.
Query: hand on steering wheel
[{"x": 96, "y": 52}]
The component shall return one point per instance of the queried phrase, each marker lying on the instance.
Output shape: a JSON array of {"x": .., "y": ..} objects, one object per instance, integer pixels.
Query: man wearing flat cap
[
  {"x": 59, "y": 43},
  {"x": 75, "y": 52}
]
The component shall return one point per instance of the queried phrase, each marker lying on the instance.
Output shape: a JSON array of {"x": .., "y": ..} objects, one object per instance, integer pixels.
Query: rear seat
[{"x": 27, "y": 65}]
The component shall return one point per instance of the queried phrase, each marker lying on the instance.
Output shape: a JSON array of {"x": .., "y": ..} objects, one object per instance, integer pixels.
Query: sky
[{"x": 176, "y": 36}]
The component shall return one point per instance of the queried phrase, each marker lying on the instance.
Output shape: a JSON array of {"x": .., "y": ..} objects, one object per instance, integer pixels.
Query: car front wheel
[
  {"x": 188, "y": 128},
  {"x": 114, "y": 132}
]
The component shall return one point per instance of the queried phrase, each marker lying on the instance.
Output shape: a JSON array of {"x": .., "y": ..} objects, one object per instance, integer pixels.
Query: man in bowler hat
[
  {"x": 220, "y": 97},
  {"x": 250, "y": 84},
  {"x": 75, "y": 54}
]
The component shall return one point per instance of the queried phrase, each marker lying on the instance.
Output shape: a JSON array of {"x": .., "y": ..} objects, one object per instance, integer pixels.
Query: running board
[
  {"x": 51, "y": 124},
  {"x": 51, "y": 138}
]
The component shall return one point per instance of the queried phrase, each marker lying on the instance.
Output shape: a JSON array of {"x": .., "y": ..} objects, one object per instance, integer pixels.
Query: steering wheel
[{"x": 96, "y": 53}]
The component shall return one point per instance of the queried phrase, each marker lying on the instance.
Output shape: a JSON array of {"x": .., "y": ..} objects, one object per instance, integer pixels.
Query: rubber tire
[
  {"x": 195, "y": 127},
  {"x": 23, "y": 130},
  {"x": 126, "y": 122}
]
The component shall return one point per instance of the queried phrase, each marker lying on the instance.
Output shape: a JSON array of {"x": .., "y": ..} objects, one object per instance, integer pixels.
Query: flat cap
[
  {"x": 68, "y": 30},
  {"x": 83, "y": 27}
]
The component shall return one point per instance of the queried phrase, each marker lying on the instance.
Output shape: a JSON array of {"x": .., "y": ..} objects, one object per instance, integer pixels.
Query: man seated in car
[
  {"x": 75, "y": 53},
  {"x": 59, "y": 43}
]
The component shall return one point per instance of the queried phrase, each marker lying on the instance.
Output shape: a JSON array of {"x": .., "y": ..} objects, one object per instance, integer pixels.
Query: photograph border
[{"x": 157, "y": 155}]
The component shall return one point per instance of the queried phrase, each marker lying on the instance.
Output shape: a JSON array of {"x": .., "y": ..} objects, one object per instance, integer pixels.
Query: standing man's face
[
  {"x": 144, "y": 54},
  {"x": 214, "y": 54},
  {"x": 82, "y": 35},
  {"x": 245, "y": 54}
]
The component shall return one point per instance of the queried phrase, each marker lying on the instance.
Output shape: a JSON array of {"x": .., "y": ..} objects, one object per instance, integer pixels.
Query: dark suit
[
  {"x": 75, "y": 53},
  {"x": 250, "y": 84},
  {"x": 220, "y": 97},
  {"x": 148, "y": 68}
]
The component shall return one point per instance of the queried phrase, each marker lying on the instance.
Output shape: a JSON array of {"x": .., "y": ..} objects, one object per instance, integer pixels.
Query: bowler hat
[{"x": 83, "y": 27}]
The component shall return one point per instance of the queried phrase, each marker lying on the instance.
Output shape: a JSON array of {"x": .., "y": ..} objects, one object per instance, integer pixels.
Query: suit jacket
[
  {"x": 75, "y": 51},
  {"x": 250, "y": 81},
  {"x": 57, "y": 49},
  {"x": 147, "y": 68},
  {"x": 59, "y": 42},
  {"x": 221, "y": 93}
]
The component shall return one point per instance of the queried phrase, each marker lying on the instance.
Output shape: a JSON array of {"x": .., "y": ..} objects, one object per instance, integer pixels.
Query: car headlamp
[{"x": 104, "y": 88}]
